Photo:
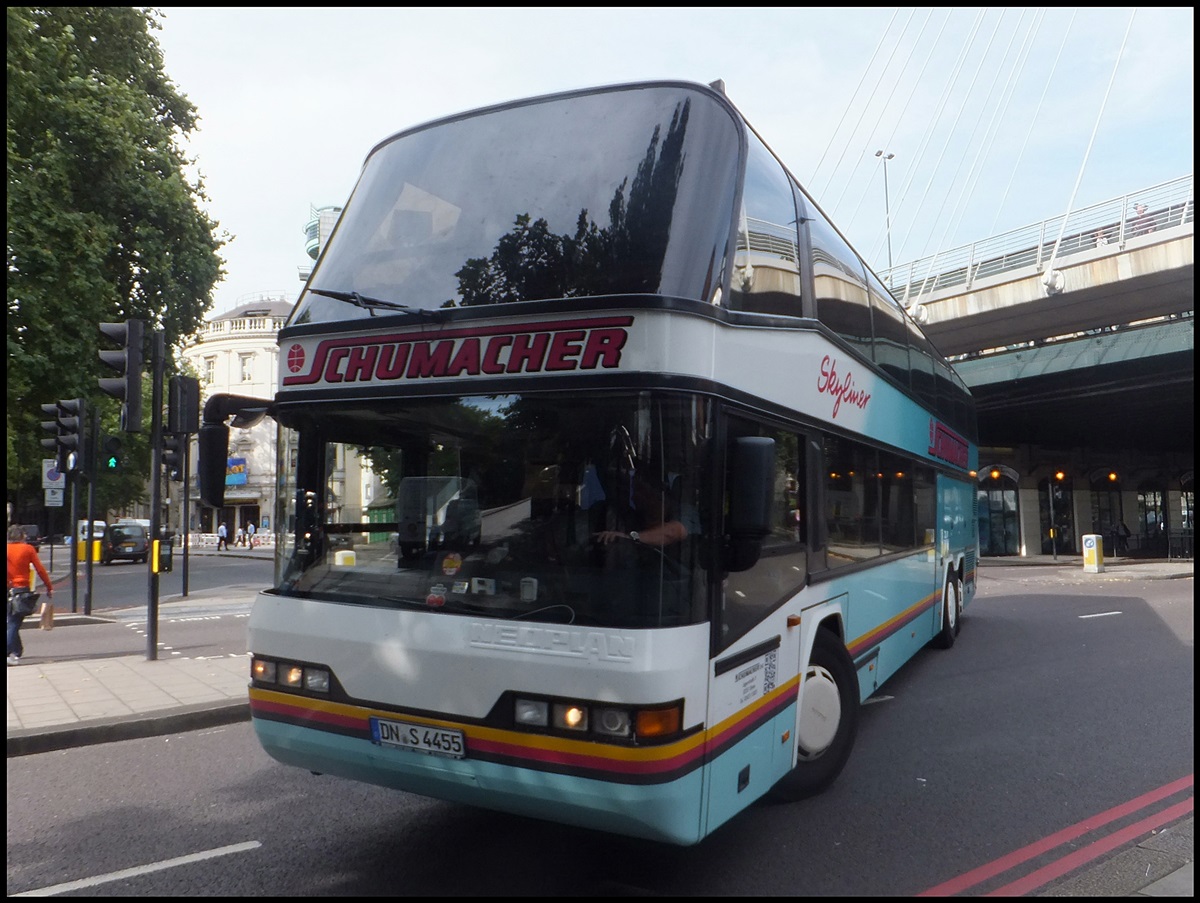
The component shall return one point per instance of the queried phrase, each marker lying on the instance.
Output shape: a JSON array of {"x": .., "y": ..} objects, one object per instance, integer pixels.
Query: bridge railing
[{"x": 1109, "y": 223}]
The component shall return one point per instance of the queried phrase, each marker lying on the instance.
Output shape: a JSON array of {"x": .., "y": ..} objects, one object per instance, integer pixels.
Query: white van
[{"x": 97, "y": 531}]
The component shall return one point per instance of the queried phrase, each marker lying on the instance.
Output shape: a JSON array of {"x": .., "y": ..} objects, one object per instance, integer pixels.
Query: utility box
[{"x": 1093, "y": 553}]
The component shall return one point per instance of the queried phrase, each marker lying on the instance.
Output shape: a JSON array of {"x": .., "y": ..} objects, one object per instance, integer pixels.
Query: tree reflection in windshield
[{"x": 623, "y": 257}]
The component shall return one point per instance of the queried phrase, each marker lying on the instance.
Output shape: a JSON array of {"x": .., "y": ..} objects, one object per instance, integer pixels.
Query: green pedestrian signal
[{"x": 112, "y": 454}]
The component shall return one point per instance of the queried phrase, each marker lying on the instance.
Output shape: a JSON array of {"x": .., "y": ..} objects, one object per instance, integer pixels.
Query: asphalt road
[{"x": 1059, "y": 704}]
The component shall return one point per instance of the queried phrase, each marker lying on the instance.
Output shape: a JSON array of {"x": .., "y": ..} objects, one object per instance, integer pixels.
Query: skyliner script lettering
[
  {"x": 585, "y": 344},
  {"x": 841, "y": 388}
]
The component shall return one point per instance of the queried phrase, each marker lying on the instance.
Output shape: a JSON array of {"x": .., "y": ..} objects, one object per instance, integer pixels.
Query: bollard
[
  {"x": 344, "y": 558},
  {"x": 1093, "y": 553}
]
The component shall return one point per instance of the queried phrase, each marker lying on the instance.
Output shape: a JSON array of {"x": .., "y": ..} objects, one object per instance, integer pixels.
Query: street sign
[
  {"x": 54, "y": 498},
  {"x": 51, "y": 478}
]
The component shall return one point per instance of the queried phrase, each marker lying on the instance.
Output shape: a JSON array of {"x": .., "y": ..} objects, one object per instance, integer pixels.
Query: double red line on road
[{"x": 1076, "y": 857}]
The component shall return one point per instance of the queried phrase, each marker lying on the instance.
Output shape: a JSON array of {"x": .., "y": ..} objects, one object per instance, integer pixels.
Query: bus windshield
[
  {"x": 572, "y": 196},
  {"x": 572, "y": 510}
]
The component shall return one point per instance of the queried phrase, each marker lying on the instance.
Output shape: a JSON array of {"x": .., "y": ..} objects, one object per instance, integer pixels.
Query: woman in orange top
[{"x": 21, "y": 555}]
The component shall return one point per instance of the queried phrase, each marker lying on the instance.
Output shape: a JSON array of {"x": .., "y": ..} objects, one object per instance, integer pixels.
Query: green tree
[{"x": 104, "y": 223}]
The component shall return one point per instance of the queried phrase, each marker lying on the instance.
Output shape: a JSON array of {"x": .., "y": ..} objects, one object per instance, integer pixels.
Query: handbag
[
  {"x": 21, "y": 601},
  {"x": 47, "y": 622}
]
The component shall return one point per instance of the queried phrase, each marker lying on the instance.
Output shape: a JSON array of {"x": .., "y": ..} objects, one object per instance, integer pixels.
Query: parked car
[
  {"x": 33, "y": 534},
  {"x": 125, "y": 541}
]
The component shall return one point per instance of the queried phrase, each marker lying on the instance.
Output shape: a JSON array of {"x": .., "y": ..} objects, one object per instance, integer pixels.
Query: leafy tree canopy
[{"x": 103, "y": 221}]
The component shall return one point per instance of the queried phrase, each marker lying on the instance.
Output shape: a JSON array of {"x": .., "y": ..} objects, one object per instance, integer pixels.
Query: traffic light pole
[
  {"x": 157, "y": 364},
  {"x": 187, "y": 489},
  {"x": 88, "y": 467},
  {"x": 73, "y": 544}
]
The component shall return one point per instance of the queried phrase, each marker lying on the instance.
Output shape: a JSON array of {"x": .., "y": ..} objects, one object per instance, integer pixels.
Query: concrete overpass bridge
[{"x": 1076, "y": 337}]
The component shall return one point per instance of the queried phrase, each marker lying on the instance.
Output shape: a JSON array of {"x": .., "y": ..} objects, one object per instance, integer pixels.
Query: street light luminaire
[{"x": 887, "y": 207}]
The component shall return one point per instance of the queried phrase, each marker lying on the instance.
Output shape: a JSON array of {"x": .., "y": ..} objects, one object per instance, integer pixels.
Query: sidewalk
[
  {"x": 59, "y": 704},
  {"x": 64, "y": 704}
]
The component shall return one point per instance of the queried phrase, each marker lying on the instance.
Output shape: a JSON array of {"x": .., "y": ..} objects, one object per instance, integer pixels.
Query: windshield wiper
[{"x": 367, "y": 302}]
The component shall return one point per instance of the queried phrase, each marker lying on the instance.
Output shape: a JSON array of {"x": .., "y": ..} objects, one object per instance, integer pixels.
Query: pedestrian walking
[
  {"x": 222, "y": 538},
  {"x": 21, "y": 557},
  {"x": 250, "y": 533},
  {"x": 239, "y": 538}
]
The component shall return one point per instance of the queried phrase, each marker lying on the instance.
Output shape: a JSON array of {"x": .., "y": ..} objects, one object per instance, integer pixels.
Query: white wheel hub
[{"x": 821, "y": 713}]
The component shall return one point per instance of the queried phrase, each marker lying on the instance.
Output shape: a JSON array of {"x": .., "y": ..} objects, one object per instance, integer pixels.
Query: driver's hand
[{"x": 608, "y": 536}]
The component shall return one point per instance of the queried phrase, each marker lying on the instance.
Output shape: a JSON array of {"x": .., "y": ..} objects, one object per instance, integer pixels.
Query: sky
[{"x": 995, "y": 117}]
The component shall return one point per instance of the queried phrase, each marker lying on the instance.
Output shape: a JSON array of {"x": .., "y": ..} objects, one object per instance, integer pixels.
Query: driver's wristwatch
[{"x": 633, "y": 534}]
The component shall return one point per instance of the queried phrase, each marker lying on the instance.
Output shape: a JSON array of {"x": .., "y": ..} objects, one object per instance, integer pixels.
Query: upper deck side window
[
  {"x": 839, "y": 284},
  {"x": 619, "y": 191},
  {"x": 766, "y": 267}
]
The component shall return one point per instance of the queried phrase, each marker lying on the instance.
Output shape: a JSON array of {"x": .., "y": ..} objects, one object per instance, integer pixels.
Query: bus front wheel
[{"x": 827, "y": 723}]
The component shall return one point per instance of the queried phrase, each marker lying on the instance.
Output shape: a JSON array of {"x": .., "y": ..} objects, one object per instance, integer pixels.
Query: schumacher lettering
[
  {"x": 531, "y": 348},
  {"x": 946, "y": 444}
]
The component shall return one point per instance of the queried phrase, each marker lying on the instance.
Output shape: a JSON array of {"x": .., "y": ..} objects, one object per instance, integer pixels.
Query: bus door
[{"x": 752, "y": 682}]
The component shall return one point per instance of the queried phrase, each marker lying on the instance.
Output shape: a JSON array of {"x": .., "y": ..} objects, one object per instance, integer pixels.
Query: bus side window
[
  {"x": 852, "y": 479},
  {"x": 782, "y": 567},
  {"x": 766, "y": 275},
  {"x": 839, "y": 284}
]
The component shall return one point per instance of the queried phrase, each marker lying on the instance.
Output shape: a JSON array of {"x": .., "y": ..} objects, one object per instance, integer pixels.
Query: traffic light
[
  {"x": 172, "y": 459},
  {"x": 183, "y": 405},
  {"x": 113, "y": 455},
  {"x": 72, "y": 434},
  {"x": 53, "y": 445},
  {"x": 128, "y": 362}
]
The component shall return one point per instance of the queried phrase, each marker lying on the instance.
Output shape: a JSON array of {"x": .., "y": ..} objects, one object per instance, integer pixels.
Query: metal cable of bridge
[{"x": 1051, "y": 280}]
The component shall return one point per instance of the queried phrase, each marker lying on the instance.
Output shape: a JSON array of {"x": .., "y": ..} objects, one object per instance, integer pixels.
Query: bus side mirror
[
  {"x": 213, "y": 448},
  {"x": 213, "y": 443},
  {"x": 752, "y": 485}
]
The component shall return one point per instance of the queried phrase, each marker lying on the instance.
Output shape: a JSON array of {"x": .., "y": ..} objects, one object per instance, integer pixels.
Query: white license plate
[{"x": 436, "y": 741}]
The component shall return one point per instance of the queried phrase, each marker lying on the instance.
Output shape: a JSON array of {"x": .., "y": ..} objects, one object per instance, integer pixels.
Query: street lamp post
[{"x": 887, "y": 208}]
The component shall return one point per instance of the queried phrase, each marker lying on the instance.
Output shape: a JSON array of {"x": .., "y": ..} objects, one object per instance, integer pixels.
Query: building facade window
[
  {"x": 246, "y": 362},
  {"x": 210, "y": 370}
]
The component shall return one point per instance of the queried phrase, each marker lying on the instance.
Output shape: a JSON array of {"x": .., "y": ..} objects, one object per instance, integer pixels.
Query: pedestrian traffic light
[
  {"x": 113, "y": 454},
  {"x": 183, "y": 405},
  {"x": 72, "y": 434},
  {"x": 172, "y": 460},
  {"x": 128, "y": 363},
  {"x": 52, "y": 444}
]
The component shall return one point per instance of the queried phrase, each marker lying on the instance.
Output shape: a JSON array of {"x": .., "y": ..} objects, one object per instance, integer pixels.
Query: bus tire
[
  {"x": 951, "y": 612},
  {"x": 833, "y": 680}
]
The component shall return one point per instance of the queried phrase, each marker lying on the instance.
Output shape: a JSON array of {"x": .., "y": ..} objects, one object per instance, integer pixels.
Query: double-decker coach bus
[{"x": 611, "y": 479}]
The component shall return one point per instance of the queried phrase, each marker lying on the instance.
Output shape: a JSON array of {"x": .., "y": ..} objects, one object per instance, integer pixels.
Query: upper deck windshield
[
  {"x": 517, "y": 507},
  {"x": 625, "y": 191}
]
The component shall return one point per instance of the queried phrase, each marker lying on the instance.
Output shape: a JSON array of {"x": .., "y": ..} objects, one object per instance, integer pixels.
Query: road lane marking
[
  {"x": 1038, "y": 848},
  {"x": 1102, "y": 614},
  {"x": 139, "y": 870}
]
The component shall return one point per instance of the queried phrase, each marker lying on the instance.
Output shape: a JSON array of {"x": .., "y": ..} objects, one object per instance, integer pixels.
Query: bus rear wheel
[
  {"x": 952, "y": 606},
  {"x": 828, "y": 720}
]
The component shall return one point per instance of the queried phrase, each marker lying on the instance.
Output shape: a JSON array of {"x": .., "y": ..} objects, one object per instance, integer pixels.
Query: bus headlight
[
  {"x": 570, "y": 717},
  {"x": 611, "y": 722},
  {"x": 316, "y": 680},
  {"x": 291, "y": 675},
  {"x": 602, "y": 721},
  {"x": 263, "y": 669},
  {"x": 532, "y": 712}
]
